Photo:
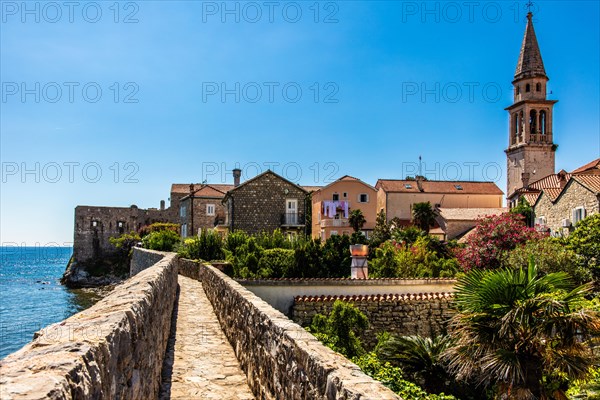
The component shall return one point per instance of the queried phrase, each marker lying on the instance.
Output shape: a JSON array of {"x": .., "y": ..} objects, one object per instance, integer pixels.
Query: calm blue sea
[{"x": 31, "y": 296}]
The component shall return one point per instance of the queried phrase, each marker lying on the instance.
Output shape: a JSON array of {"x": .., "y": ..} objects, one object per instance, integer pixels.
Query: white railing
[{"x": 334, "y": 222}]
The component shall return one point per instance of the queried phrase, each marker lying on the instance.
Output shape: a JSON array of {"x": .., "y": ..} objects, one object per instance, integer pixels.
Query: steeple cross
[{"x": 529, "y": 5}]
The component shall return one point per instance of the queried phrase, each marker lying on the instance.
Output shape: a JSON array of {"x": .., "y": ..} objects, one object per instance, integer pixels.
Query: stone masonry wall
[
  {"x": 412, "y": 314},
  {"x": 142, "y": 259},
  {"x": 259, "y": 204},
  {"x": 94, "y": 226},
  {"x": 281, "y": 360},
  {"x": 113, "y": 350},
  {"x": 575, "y": 195}
]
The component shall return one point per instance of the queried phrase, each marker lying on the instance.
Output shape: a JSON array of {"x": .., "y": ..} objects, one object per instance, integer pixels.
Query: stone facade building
[
  {"x": 530, "y": 153},
  {"x": 455, "y": 222},
  {"x": 265, "y": 203},
  {"x": 202, "y": 208}
]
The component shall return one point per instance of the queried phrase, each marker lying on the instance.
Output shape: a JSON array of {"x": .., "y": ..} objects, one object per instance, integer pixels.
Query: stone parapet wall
[
  {"x": 412, "y": 314},
  {"x": 142, "y": 259},
  {"x": 281, "y": 360},
  {"x": 113, "y": 350},
  {"x": 189, "y": 268}
]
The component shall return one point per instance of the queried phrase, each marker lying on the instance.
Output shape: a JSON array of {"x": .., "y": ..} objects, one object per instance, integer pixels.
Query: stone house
[
  {"x": 332, "y": 204},
  {"x": 561, "y": 200},
  {"x": 202, "y": 208},
  {"x": 265, "y": 203},
  {"x": 396, "y": 197}
]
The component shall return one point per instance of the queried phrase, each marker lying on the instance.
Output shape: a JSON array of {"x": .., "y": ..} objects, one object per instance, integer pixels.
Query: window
[
  {"x": 540, "y": 221},
  {"x": 518, "y": 89},
  {"x": 538, "y": 87},
  {"x": 182, "y": 211},
  {"x": 345, "y": 195},
  {"x": 183, "y": 230},
  {"x": 347, "y": 233},
  {"x": 120, "y": 226},
  {"x": 333, "y": 233},
  {"x": 210, "y": 209},
  {"x": 408, "y": 185},
  {"x": 578, "y": 214},
  {"x": 319, "y": 216},
  {"x": 336, "y": 197},
  {"x": 366, "y": 234},
  {"x": 363, "y": 198},
  {"x": 528, "y": 88},
  {"x": 458, "y": 187},
  {"x": 94, "y": 223}
]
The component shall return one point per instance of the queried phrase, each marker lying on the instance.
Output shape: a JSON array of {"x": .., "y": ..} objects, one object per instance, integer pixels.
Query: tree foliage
[
  {"x": 518, "y": 330},
  {"x": 493, "y": 237},
  {"x": 423, "y": 216},
  {"x": 357, "y": 220},
  {"x": 585, "y": 242}
]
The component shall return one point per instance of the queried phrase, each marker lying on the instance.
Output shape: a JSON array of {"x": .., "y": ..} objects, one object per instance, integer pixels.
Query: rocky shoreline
[{"x": 77, "y": 276}]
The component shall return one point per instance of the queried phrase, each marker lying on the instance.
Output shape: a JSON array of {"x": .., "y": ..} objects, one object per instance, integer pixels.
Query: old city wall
[
  {"x": 281, "y": 360},
  {"x": 113, "y": 350},
  {"x": 94, "y": 226}
]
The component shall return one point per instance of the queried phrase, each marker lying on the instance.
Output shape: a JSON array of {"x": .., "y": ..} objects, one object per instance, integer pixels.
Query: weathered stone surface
[
  {"x": 142, "y": 259},
  {"x": 201, "y": 363},
  {"x": 113, "y": 350},
  {"x": 281, "y": 360},
  {"x": 398, "y": 315}
]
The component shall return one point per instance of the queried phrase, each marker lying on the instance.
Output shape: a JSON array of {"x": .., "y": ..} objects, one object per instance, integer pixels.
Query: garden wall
[{"x": 113, "y": 350}]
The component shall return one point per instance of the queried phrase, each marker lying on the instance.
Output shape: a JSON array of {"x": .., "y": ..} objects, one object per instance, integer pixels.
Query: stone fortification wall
[
  {"x": 281, "y": 360},
  {"x": 142, "y": 259},
  {"x": 113, "y": 350},
  {"x": 424, "y": 314}
]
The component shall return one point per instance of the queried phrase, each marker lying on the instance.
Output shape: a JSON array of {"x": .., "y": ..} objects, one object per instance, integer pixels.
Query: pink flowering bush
[{"x": 493, "y": 237}]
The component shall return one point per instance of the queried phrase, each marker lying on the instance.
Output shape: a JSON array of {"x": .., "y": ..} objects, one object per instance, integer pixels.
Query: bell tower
[{"x": 530, "y": 152}]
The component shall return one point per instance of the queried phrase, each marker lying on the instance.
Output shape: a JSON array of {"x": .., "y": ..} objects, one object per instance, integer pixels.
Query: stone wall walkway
[{"x": 200, "y": 362}]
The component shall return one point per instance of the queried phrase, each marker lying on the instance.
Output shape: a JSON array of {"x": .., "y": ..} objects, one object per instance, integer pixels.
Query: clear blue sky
[{"x": 362, "y": 68}]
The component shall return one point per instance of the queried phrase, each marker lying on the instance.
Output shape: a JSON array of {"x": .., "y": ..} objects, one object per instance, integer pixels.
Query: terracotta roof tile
[
  {"x": 593, "y": 167},
  {"x": 411, "y": 186},
  {"x": 375, "y": 297},
  {"x": 184, "y": 188},
  {"x": 590, "y": 181}
]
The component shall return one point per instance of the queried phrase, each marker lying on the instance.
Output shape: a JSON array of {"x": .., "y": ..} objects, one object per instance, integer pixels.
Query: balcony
[
  {"x": 292, "y": 219},
  {"x": 330, "y": 222}
]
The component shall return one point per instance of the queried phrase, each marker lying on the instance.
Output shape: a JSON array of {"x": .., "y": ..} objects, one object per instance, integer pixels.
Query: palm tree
[
  {"x": 420, "y": 357},
  {"x": 423, "y": 215},
  {"x": 515, "y": 327},
  {"x": 357, "y": 220}
]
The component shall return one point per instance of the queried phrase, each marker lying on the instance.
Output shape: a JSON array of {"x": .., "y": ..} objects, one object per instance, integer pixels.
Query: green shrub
[
  {"x": 208, "y": 246},
  {"x": 276, "y": 263},
  {"x": 157, "y": 227},
  {"x": 164, "y": 240}
]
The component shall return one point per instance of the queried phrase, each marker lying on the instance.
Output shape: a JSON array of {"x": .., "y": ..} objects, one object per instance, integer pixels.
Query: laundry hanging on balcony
[{"x": 330, "y": 208}]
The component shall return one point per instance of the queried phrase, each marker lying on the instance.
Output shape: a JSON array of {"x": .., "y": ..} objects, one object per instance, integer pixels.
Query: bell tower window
[
  {"x": 528, "y": 88},
  {"x": 543, "y": 122},
  {"x": 533, "y": 122},
  {"x": 538, "y": 87}
]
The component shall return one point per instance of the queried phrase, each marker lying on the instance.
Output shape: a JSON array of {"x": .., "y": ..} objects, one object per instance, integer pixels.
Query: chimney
[
  {"x": 419, "y": 179},
  {"x": 162, "y": 205},
  {"x": 525, "y": 179},
  {"x": 191, "y": 188},
  {"x": 237, "y": 174},
  {"x": 562, "y": 179}
]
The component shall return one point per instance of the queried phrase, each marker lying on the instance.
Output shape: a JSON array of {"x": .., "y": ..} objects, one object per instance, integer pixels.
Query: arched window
[
  {"x": 543, "y": 122},
  {"x": 518, "y": 90},
  {"x": 538, "y": 87},
  {"x": 515, "y": 128},
  {"x": 521, "y": 123},
  {"x": 533, "y": 122},
  {"x": 528, "y": 88}
]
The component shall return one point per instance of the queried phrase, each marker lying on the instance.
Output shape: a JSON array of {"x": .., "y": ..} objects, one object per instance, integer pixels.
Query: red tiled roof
[
  {"x": 531, "y": 197},
  {"x": 553, "y": 193},
  {"x": 375, "y": 297},
  {"x": 469, "y": 214},
  {"x": 550, "y": 181},
  {"x": 592, "y": 182},
  {"x": 592, "y": 167},
  {"x": 311, "y": 188},
  {"x": 411, "y": 186}
]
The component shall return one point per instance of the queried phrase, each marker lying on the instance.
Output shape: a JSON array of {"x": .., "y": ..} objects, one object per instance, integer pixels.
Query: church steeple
[
  {"x": 530, "y": 153},
  {"x": 530, "y": 59}
]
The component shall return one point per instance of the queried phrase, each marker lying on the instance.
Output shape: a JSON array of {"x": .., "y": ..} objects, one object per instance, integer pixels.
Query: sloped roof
[
  {"x": 259, "y": 176},
  {"x": 184, "y": 188},
  {"x": 530, "y": 62},
  {"x": 592, "y": 168},
  {"x": 348, "y": 178},
  {"x": 592, "y": 182},
  {"x": 311, "y": 188},
  {"x": 469, "y": 214},
  {"x": 411, "y": 186}
]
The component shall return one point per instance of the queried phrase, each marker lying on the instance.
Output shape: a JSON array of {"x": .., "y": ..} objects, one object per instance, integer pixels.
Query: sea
[{"x": 31, "y": 296}]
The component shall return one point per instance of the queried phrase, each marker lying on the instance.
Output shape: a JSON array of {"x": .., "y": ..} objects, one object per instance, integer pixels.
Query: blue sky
[{"x": 109, "y": 103}]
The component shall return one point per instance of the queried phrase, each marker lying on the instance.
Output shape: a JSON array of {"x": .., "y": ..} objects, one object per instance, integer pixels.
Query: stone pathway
[{"x": 200, "y": 362}]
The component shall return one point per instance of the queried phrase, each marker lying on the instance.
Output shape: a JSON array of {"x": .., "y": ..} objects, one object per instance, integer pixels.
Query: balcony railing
[
  {"x": 325, "y": 223},
  {"x": 292, "y": 219}
]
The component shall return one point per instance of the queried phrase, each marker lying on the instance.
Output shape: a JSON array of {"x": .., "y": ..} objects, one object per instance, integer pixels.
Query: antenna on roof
[
  {"x": 420, "y": 174},
  {"x": 204, "y": 182}
]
